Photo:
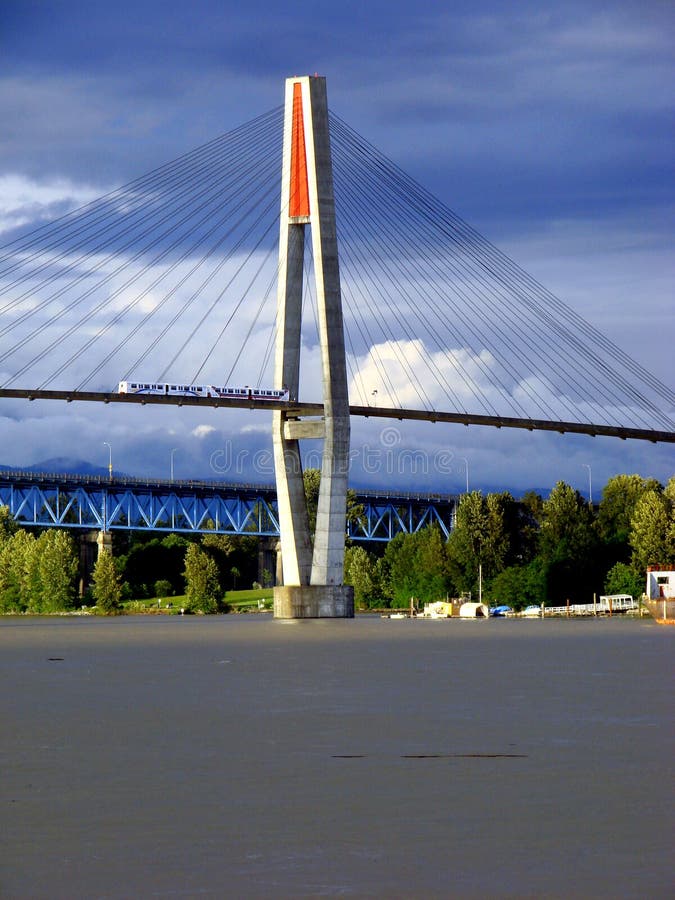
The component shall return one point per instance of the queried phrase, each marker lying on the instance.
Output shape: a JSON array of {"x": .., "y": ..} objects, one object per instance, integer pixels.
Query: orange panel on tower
[{"x": 299, "y": 195}]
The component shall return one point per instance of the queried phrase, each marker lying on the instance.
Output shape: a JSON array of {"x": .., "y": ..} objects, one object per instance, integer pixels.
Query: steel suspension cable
[
  {"x": 471, "y": 250},
  {"x": 497, "y": 260}
]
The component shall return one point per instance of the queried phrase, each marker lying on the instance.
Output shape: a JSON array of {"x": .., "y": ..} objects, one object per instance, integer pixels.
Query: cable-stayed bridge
[
  {"x": 168, "y": 284},
  {"x": 173, "y": 277}
]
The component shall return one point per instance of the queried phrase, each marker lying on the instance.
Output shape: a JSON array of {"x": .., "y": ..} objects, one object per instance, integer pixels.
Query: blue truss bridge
[
  {"x": 195, "y": 507},
  {"x": 172, "y": 278}
]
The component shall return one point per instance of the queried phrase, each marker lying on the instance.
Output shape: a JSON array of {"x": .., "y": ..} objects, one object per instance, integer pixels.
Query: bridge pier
[
  {"x": 92, "y": 544},
  {"x": 312, "y": 570},
  {"x": 269, "y": 553},
  {"x": 311, "y": 601}
]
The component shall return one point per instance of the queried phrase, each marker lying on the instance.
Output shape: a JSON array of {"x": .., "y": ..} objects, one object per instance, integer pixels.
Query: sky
[{"x": 547, "y": 126}]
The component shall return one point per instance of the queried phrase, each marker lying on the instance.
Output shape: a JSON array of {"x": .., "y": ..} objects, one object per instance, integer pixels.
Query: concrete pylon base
[{"x": 314, "y": 601}]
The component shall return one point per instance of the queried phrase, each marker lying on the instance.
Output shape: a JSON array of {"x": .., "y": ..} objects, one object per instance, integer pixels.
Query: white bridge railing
[{"x": 604, "y": 606}]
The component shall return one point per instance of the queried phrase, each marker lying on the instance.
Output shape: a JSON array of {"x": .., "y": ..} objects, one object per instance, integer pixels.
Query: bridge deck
[{"x": 316, "y": 409}]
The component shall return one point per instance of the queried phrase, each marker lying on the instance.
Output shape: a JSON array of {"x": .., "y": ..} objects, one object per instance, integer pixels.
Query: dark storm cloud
[{"x": 546, "y": 125}]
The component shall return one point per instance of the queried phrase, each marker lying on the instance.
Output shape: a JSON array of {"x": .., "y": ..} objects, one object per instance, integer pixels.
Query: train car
[{"x": 202, "y": 390}]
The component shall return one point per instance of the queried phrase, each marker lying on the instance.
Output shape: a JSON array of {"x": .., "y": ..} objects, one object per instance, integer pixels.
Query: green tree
[
  {"x": 622, "y": 579},
  {"x": 163, "y": 588},
  {"x": 19, "y": 572},
  {"x": 466, "y": 540},
  {"x": 416, "y": 565},
  {"x": 149, "y": 561},
  {"x": 57, "y": 571},
  {"x": 567, "y": 524},
  {"x": 526, "y": 537},
  {"x": 10, "y": 601},
  {"x": 106, "y": 585},
  {"x": 235, "y": 573},
  {"x": 484, "y": 535},
  {"x": 201, "y": 576},
  {"x": 312, "y": 483},
  {"x": 617, "y": 506},
  {"x": 519, "y": 586},
  {"x": 232, "y": 551},
  {"x": 223, "y": 543},
  {"x": 652, "y": 537},
  {"x": 360, "y": 573},
  {"x": 507, "y": 587},
  {"x": 501, "y": 526},
  {"x": 568, "y": 547},
  {"x": 669, "y": 491},
  {"x": 399, "y": 565},
  {"x": 8, "y": 526},
  {"x": 669, "y": 494}
]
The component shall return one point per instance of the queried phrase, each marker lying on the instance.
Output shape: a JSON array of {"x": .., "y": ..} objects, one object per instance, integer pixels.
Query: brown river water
[{"x": 238, "y": 756}]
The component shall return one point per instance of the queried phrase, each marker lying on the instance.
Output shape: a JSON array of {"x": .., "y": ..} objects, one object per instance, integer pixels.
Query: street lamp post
[
  {"x": 466, "y": 466},
  {"x": 109, "y": 459},
  {"x": 590, "y": 484},
  {"x": 173, "y": 450}
]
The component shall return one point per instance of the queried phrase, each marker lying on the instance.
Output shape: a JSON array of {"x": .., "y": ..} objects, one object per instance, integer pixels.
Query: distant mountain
[{"x": 64, "y": 464}]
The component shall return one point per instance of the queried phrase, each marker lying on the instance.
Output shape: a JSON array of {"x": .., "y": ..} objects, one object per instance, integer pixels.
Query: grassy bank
[{"x": 235, "y": 601}]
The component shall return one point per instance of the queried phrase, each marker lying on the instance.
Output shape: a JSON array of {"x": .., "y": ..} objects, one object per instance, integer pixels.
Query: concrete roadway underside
[{"x": 245, "y": 757}]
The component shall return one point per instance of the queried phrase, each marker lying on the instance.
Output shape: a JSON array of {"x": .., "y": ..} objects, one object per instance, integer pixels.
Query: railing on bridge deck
[
  {"x": 127, "y": 503},
  {"x": 605, "y": 606}
]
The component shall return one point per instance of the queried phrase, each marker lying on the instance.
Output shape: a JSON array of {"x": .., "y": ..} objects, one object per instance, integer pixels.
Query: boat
[
  {"x": 532, "y": 611},
  {"x": 474, "y": 611},
  {"x": 501, "y": 611},
  {"x": 440, "y": 609}
]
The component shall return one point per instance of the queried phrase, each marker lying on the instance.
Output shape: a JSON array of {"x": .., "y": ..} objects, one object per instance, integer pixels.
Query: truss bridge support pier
[{"x": 312, "y": 571}]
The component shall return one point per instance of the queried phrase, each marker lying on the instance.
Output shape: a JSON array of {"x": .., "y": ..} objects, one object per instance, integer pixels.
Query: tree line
[
  {"x": 526, "y": 551},
  {"x": 39, "y": 570}
]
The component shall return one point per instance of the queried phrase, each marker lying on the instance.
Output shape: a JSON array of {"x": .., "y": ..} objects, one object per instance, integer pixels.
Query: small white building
[
  {"x": 661, "y": 594},
  {"x": 660, "y": 583}
]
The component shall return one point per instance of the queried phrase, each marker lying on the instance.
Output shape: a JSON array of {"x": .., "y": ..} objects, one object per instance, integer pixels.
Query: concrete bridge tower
[{"x": 312, "y": 573}]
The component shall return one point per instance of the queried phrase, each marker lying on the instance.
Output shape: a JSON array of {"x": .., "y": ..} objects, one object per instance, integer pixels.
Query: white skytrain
[{"x": 203, "y": 390}]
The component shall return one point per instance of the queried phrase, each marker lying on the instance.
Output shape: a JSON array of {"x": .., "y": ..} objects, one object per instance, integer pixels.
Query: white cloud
[
  {"x": 23, "y": 199},
  {"x": 202, "y": 431}
]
